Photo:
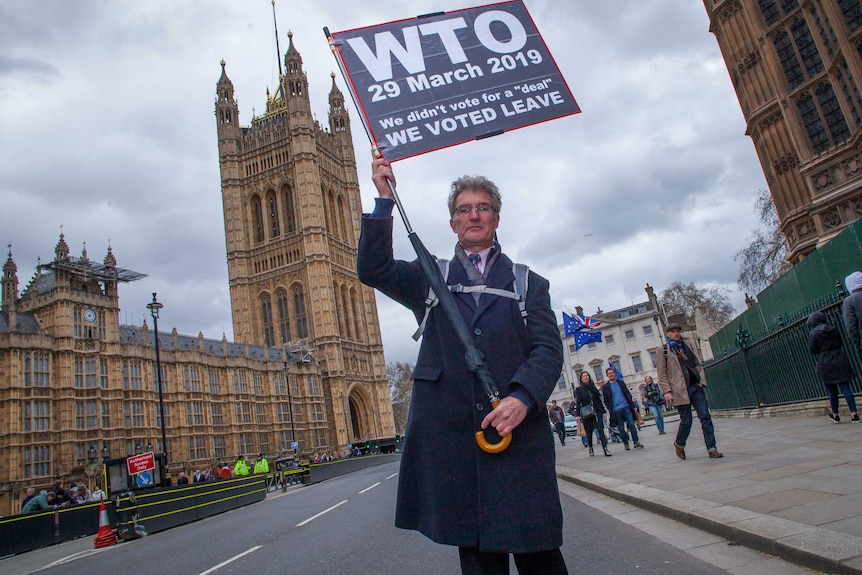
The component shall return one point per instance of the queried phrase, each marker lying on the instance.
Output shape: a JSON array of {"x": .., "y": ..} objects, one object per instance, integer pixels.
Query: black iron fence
[{"x": 775, "y": 368}]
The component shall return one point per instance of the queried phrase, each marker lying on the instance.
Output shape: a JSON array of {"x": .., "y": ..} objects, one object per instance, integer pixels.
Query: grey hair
[{"x": 477, "y": 184}]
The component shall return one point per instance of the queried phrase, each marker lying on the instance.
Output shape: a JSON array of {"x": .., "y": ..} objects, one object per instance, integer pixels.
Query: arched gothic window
[
  {"x": 289, "y": 214},
  {"x": 257, "y": 217},
  {"x": 266, "y": 318},
  {"x": 272, "y": 207},
  {"x": 299, "y": 312},
  {"x": 283, "y": 316}
]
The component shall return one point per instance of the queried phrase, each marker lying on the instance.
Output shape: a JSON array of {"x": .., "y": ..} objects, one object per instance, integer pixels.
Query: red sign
[{"x": 140, "y": 463}]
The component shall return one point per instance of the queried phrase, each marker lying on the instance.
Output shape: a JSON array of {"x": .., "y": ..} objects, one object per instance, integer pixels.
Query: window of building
[
  {"x": 257, "y": 217},
  {"x": 132, "y": 374},
  {"x": 318, "y": 438},
  {"x": 789, "y": 60},
  {"x": 163, "y": 372},
  {"x": 272, "y": 206},
  {"x": 832, "y": 113},
  {"x": 192, "y": 378},
  {"x": 93, "y": 414},
  {"x": 246, "y": 442},
  {"x": 80, "y": 415},
  {"x": 591, "y": 345},
  {"x": 90, "y": 372},
  {"x": 158, "y": 416},
  {"x": 282, "y": 412},
  {"x": 214, "y": 382},
  {"x": 297, "y": 413},
  {"x": 263, "y": 442},
  {"x": 106, "y": 415},
  {"x": 316, "y": 412},
  {"x": 103, "y": 373},
  {"x": 572, "y": 348},
  {"x": 266, "y": 318},
  {"x": 299, "y": 308},
  {"x": 598, "y": 372},
  {"x": 37, "y": 370},
  {"x": 284, "y": 440},
  {"x": 314, "y": 385},
  {"x": 216, "y": 414},
  {"x": 630, "y": 334},
  {"x": 37, "y": 461},
  {"x": 647, "y": 329},
  {"x": 195, "y": 413},
  {"x": 806, "y": 47},
  {"x": 771, "y": 13},
  {"x": 852, "y": 12},
  {"x": 198, "y": 447},
  {"x": 240, "y": 382},
  {"x": 37, "y": 415},
  {"x": 827, "y": 33},
  {"x": 637, "y": 364},
  {"x": 652, "y": 356},
  {"x": 561, "y": 383},
  {"x": 260, "y": 413},
  {"x": 219, "y": 446},
  {"x": 289, "y": 216},
  {"x": 850, "y": 92},
  {"x": 134, "y": 411},
  {"x": 283, "y": 316},
  {"x": 624, "y": 314},
  {"x": 279, "y": 383},
  {"x": 257, "y": 382},
  {"x": 79, "y": 371},
  {"x": 609, "y": 339},
  {"x": 820, "y": 114},
  {"x": 243, "y": 412}
]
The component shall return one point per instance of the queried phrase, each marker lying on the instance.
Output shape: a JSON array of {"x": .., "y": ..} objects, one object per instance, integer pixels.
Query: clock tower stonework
[{"x": 291, "y": 203}]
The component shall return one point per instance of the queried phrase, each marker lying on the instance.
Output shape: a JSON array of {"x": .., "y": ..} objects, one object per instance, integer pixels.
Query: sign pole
[{"x": 474, "y": 357}]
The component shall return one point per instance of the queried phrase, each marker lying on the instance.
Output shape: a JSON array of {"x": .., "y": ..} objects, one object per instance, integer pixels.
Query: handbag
[
  {"x": 588, "y": 411},
  {"x": 582, "y": 432}
]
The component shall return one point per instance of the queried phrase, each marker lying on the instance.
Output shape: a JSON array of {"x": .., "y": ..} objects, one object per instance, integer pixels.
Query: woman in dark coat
[
  {"x": 833, "y": 367},
  {"x": 588, "y": 394}
]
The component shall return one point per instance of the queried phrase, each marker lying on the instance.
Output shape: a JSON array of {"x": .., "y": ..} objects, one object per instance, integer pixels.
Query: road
[{"x": 345, "y": 525}]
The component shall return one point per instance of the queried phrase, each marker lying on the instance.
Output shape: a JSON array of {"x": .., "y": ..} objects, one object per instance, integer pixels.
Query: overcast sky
[{"x": 107, "y": 128}]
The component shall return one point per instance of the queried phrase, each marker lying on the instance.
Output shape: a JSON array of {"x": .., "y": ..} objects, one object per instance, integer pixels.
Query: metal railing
[{"x": 775, "y": 368}]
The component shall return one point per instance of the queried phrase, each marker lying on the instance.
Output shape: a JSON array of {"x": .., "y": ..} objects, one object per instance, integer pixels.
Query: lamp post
[
  {"x": 154, "y": 308},
  {"x": 290, "y": 408}
]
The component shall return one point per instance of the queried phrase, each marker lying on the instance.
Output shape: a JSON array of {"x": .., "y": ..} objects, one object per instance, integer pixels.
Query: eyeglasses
[{"x": 464, "y": 210}]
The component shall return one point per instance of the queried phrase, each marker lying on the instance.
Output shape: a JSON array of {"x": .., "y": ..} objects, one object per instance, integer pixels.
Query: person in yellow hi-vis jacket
[
  {"x": 261, "y": 465},
  {"x": 241, "y": 467}
]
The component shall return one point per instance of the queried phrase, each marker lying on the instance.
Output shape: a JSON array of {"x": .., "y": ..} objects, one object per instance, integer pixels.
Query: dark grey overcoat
[{"x": 448, "y": 488}]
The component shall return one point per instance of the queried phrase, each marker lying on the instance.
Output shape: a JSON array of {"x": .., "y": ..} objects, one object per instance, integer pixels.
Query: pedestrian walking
[
  {"x": 681, "y": 379},
  {"x": 654, "y": 400},
  {"x": 587, "y": 396},
  {"x": 833, "y": 367},
  {"x": 558, "y": 420}
]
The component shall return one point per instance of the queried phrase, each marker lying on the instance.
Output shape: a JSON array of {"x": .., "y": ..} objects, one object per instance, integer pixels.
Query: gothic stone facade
[
  {"x": 291, "y": 209},
  {"x": 796, "y": 66}
]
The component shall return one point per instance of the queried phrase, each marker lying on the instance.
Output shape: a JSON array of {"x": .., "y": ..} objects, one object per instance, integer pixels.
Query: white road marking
[
  {"x": 74, "y": 556},
  {"x": 312, "y": 518},
  {"x": 393, "y": 475},
  {"x": 369, "y": 488},
  {"x": 231, "y": 560}
]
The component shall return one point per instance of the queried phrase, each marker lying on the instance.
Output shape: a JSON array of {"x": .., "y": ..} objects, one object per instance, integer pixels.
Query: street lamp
[
  {"x": 92, "y": 453},
  {"x": 154, "y": 308},
  {"x": 106, "y": 451},
  {"x": 290, "y": 408}
]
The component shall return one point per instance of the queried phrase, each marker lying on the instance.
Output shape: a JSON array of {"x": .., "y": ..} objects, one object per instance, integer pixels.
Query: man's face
[
  {"x": 475, "y": 229},
  {"x": 675, "y": 334},
  {"x": 612, "y": 376}
]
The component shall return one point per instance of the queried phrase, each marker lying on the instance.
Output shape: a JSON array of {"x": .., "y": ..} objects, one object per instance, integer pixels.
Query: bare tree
[
  {"x": 400, "y": 391},
  {"x": 713, "y": 302},
  {"x": 764, "y": 259}
]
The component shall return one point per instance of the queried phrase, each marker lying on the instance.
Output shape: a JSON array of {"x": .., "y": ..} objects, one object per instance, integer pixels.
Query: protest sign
[{"x": 439, "y": 80}]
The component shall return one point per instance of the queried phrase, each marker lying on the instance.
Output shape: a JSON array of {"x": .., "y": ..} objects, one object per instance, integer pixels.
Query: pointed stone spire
[
  {"x": 110, "y": 260},
  {"x": 84, "y": 258},
  {"x": 61, "y": 252},
  {"x": 339, "y": 120},
  {"x": 10, "y": 283}
]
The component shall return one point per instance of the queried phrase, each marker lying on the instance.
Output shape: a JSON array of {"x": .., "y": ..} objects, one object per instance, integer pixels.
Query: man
[
  {"x": 241, "y": 467},
  {"x": 29, "y": 494},
  {"x": 619, "y": 399},
  {"x": 558, "y": 420},
  {"x": 449, "y": 489},
  {"x": 45, "y": 501},
  {"x": 653, "y": 399},
  {"x": 681, "y": 379},
  {"x": 261, "y": 465},
  {"x": 852, "y": 309}
]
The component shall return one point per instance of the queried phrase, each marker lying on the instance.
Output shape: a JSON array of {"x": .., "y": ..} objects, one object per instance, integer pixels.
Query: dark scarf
[{"x": 677, "y": 347}]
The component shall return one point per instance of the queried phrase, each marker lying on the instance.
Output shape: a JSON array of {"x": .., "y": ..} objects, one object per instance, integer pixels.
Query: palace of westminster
[{"x": 77, "y": 387}]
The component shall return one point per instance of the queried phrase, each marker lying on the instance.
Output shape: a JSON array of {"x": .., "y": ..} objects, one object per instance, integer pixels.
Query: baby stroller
[{"x": 614, "y": 435}]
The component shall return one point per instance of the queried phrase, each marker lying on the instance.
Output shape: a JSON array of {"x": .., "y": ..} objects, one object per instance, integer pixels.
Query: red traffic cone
[{"x": 106, "y": 536}]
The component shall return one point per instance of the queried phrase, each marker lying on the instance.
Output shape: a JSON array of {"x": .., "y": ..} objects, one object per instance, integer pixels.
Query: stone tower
[
  {"x": 796, "y": 68},
  {"x": 291, "y": 209}
]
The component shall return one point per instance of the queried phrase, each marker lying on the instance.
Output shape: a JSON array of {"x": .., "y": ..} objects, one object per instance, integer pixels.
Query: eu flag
[
  {"x": 570, "y": 325},
  {"x": 583, "y": 337}
]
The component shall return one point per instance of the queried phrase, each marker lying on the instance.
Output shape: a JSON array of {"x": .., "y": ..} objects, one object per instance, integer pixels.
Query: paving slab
[{"x": 790, "y": 486}]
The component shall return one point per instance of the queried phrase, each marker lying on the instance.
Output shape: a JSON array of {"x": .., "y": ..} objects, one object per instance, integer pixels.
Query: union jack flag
[{"x": 575, "y": 322}]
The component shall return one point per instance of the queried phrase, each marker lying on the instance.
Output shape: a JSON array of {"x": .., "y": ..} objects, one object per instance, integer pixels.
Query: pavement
[{"x": 789, "y": 484}]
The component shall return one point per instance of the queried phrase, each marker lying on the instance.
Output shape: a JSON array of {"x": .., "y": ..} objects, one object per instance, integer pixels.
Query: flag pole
[{"x": 474, "y": 357}]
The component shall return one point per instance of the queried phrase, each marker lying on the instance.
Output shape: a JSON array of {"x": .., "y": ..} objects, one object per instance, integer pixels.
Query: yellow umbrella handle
[{"x": 488, "y": 447}]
